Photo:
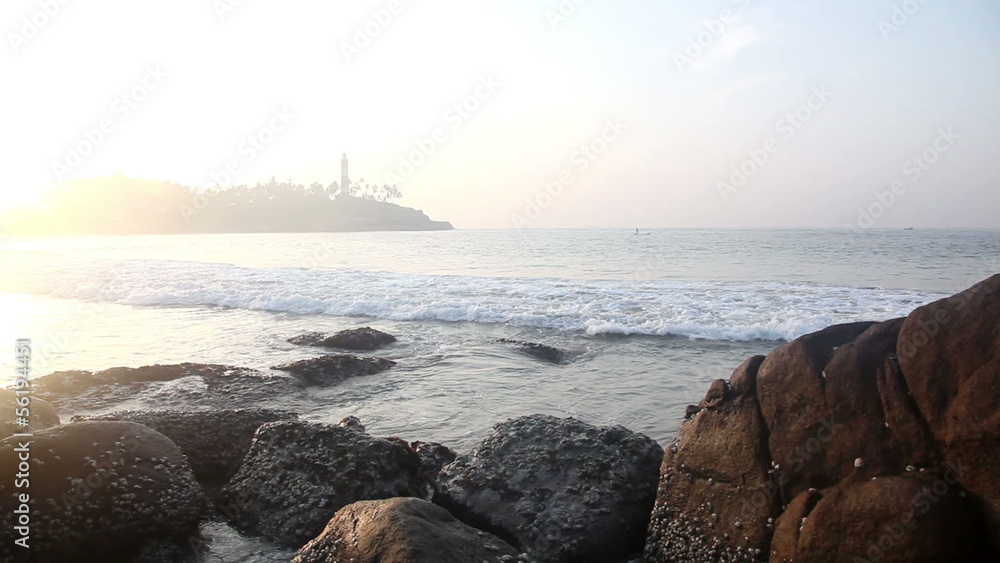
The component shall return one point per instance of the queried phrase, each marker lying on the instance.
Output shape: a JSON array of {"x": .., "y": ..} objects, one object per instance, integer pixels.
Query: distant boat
[
  {"x": 908, "y": 229},
  {"x": 638, "y": 233}
]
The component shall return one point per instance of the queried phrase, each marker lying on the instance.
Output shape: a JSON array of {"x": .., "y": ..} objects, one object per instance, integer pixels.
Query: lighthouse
[{"x": 345, "y": 181}]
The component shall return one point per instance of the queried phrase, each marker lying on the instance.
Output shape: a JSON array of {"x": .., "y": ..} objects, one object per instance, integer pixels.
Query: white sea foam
[{"x": 705, "y": 310}]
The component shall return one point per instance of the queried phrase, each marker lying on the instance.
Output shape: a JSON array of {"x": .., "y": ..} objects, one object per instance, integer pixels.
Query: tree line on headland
[{"x": 122, "y": 205}]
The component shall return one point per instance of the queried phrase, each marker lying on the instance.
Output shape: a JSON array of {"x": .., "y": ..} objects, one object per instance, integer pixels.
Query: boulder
[
  {"x": 542, "y": 352},
  {"x": 103, "y": 489},
  {"x": 402, "y": 530},
  {"x": 923, "y": 517},
  {"x": 215, "y": 442},
  {"x": 297, "y": 475},
  {"x": 331, "y": 370},
  {"x": 949, "y": 356},
  {"x": 717, "y": 490},
  {"x": 361, "y": 339},
  {"x": 560, "y": 489},
  {"x": 41, "y": 414},
  {"x": 910, "y": 430},
  {"x": 819, "y": 398}
]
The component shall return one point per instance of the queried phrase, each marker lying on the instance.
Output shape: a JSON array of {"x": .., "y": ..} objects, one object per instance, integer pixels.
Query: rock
[
  {"x": 215, "y": 442},
  {"x": 816, "y": 416},
  {"x": 352, "y": 422},
  {"x": 402, "y": 530},
  {"x": 103, "y": 489},
  {"x": 363, "y": 339},
  {"x": 41, "y": 414},
  {"x": 560, "y": 489},
  {"x": 949, "y": 355},
  {"x": 210, "y": 386},
  {"x": 297, "y": 475},
  {"x": 433, "y": 457},
  {"x": 538, "y": 351},
  {"x": 331, "y": 370},
  {"x": 716, "y": 492},
  {"x": 906, "y": 423},
  {"x": 911, "y": 517}
]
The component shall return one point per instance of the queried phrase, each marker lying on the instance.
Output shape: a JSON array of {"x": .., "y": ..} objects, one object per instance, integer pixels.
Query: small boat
[
  {"x": 638, "y": 233},
  {"x": 908, "y": 229}
]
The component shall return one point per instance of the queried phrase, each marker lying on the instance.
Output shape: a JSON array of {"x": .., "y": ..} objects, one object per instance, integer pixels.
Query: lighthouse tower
[{"x": 345, "y": 182}]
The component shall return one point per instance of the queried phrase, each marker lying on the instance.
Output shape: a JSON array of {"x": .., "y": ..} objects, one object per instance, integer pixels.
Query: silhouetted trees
[{"x": 118, "y": 204}]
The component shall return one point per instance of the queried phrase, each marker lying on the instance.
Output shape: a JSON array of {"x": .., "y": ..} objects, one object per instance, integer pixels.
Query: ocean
[{"x": 648, "y": 321}]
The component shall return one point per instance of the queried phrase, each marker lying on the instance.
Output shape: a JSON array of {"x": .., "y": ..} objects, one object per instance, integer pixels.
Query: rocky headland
[{"x": 865, "y": 442}]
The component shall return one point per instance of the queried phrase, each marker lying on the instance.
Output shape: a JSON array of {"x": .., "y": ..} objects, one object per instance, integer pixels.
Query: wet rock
[
  {"x": 103, "y": 489},
  {"x": 433, "y": 457},
  {"x": 560, "y": 489},
  {"x": 215, "y": 442},
  {"x": 189, "y": 386},
  {"x": 362, "y": 339},
  {"x": 297, "y": 475},
  {"x": 41, "y": 414},
  {"x": 538, "y": 351},
  {"x": 949, "y": 355},
  {"x": 911, "y": 517},
  {"x": 331, "y": 370},
  {"x": 717, "y": 488},
  {"x": 402, "y": 530},
  {"x": 352, "y": 422}
]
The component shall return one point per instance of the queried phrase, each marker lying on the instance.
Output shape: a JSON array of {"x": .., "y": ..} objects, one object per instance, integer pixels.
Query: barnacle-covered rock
[
  {"x": 297, "y": 475},
  {"x": 104, "y": 489}
]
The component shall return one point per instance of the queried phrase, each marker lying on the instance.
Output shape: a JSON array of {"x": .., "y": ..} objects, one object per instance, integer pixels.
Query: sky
[{"x": 526, "y": 113}]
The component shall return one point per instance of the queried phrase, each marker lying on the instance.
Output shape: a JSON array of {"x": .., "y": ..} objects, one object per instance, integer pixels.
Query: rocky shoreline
[{"x": 871, "y": 441}]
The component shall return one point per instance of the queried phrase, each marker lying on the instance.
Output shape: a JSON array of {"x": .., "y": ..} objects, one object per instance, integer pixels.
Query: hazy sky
[{"x": 834, "y": 99}]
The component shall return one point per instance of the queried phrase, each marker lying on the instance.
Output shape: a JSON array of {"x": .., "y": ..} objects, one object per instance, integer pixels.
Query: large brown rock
[
  {"x": 716, "y": 493},
  {"x": 819, "y": 398},
  {"x": 920, "y": 517},
  {"x": 402, "y": 530},
  {"x": 910, "y": 430},
  {"x": 949, "y": 354}
]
